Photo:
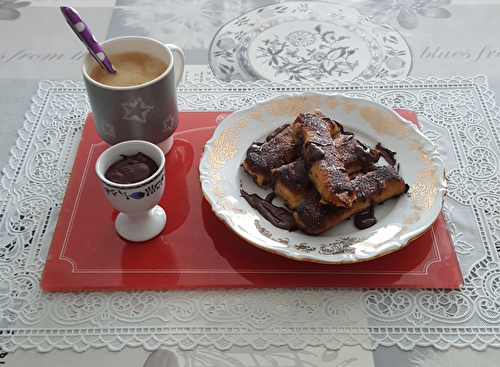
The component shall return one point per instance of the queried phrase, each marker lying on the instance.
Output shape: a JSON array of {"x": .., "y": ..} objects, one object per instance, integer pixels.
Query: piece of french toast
[
  {"x": 374, "y": 187},
  {"x": 262, "y": 157},
  {"x": 313, "y": 136},
  {"x": 355, "y": 156},
  {"x": 291, "y": 182}
]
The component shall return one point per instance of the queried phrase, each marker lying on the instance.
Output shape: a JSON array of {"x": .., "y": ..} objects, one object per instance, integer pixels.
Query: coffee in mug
[{"x": 132, "y": 68}]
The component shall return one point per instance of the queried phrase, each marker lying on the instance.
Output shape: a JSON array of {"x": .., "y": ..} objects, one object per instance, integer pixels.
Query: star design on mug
[
  {"x": 168, "y": 124},
  {"x": 136, "y": 111},
  {"x": 107, "y": 128}
]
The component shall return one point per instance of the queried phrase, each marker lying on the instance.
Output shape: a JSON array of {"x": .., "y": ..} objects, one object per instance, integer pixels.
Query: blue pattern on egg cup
[{"x": 137, "y": 195}]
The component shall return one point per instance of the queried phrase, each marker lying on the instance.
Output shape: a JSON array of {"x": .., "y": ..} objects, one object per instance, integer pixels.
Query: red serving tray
[{"x": 196, "y": 249}]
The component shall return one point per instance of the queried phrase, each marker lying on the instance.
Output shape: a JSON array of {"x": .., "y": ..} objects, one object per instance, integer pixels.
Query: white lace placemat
[{"x": 458, "y": 114}]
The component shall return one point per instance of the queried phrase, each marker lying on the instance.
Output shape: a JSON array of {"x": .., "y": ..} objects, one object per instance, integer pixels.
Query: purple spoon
[{"x": 83, "y": 32}]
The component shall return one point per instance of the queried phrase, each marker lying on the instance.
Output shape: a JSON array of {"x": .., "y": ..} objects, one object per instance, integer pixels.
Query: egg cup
[{"x": 140, "y": 217}]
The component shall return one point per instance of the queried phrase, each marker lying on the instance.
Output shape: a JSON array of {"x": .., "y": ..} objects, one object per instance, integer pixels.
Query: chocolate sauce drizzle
[
  {"x": 298, "y": 174},
  {"x": 277, "y": 216},
  {"x": 366, "y": 219},
  {"x": 387, "y": 153},
  {"x": 364, "y": 157},
  {"x": 314, "y": 152}
]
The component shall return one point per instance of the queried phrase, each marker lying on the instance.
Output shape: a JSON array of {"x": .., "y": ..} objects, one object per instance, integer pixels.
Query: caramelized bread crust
[
  {"x": 373, "y": 187},
  {"x": 314, "y": 127},
  {"x": 327, "y": 172},
  {"x": 355, "y": 156},
  {"x": 291, "y": 182},
  {"x": 262, "y": 158}
]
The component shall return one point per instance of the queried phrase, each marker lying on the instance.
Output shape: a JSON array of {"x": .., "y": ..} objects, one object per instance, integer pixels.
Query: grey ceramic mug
[{"x": 147, "y": 111}]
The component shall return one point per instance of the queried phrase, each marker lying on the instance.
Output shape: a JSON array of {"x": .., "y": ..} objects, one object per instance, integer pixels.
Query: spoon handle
[{"x": 85, "y": 35}]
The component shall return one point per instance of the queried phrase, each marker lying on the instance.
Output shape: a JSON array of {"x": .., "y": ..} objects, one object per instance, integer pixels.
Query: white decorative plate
[
  {"x": 399, "y": 220},
  {"x": 310, "y": 40}
]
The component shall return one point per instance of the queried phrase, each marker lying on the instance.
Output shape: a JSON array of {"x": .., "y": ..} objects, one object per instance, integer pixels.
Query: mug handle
[{"x": 178, "y": 62}]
